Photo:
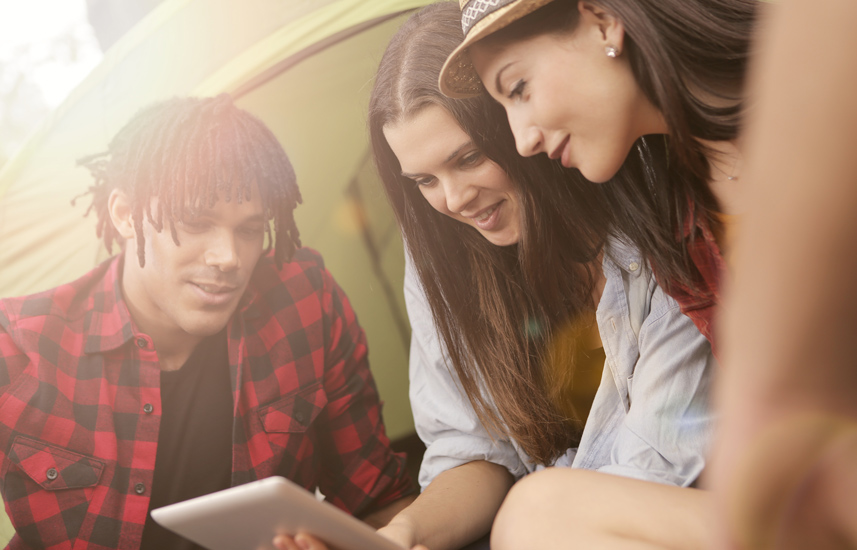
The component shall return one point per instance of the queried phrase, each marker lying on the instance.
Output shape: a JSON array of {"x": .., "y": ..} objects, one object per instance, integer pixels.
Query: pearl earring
[{"x": 611, "y": 51}]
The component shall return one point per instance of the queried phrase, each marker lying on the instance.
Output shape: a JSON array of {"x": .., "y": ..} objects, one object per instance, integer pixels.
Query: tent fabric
[{"x": 304, "y": 67}]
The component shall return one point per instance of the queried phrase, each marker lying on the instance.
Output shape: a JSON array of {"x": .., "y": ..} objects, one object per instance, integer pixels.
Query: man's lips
[
  {"x": 215, "y": 288},
  {"x": 214, "y": 294}
]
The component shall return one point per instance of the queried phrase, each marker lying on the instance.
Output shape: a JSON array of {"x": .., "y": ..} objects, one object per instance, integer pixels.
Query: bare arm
[
  {"x": 456, "y": 508},
  {"x": 382, "y": 517},
  {"x": 788, "y": 391}
]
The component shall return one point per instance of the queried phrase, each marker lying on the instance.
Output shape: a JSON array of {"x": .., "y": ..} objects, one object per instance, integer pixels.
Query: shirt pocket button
[{"x": 52, "y": 474}]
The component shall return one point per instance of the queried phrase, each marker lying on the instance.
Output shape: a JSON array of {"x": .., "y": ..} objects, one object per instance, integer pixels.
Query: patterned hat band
[{"x": 475, "y": 11}]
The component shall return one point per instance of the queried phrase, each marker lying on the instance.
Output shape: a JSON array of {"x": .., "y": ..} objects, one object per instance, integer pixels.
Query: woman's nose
[
  {"x": 528, "y": 138},
  {"x": 459, "y": 193}
]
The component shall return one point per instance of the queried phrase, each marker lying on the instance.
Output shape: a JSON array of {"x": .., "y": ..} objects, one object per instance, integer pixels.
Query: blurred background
[
  {"x": 47, "y": 47},
  {"x": 72, "y": 72}
]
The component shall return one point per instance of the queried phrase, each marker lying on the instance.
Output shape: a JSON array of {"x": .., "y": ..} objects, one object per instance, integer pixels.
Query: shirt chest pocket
[
  {"x": 287, "y": 422},
  {"x": 47, "y": 488},
  {"x": 295, "y": 412}
]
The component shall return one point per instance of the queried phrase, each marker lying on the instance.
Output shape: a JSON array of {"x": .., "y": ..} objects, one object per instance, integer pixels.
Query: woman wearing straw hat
[
  {"x": 583, "y": 81},
  {"x": 509, "y": 259}
]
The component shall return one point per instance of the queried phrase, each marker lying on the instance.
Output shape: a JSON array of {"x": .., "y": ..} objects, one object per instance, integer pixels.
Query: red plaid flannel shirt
[
  {"x": 700, "y": 303},
  {"x": 80, "y": 404}
]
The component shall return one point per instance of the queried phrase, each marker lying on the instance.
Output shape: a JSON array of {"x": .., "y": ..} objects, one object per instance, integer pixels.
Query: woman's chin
[
  {"x": 506, "y": 239},
  {"x": 597, "y": 174}
]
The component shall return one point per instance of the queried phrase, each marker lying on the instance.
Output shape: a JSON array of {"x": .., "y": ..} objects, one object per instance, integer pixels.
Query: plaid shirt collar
[{"x": 108, "y": 324}]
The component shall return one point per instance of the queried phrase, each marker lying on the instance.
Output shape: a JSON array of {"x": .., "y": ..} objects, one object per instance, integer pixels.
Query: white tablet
[{"x": 248, "y": 516}]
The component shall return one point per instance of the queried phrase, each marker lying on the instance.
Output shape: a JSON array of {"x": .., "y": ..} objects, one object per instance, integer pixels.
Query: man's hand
[{"x": 303, "y": 541}]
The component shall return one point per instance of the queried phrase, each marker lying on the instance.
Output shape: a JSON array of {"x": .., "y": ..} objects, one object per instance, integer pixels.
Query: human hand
[
  {"x": 301, "y": 541},
  {"x": 398, "y": 533}
]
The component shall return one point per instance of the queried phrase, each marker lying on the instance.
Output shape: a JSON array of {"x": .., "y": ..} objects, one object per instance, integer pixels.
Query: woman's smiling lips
[{"x": 487, "y": 219}]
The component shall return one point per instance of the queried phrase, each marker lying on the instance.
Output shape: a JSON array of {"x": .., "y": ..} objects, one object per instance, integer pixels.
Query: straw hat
[{"x": 479, "y": 18}]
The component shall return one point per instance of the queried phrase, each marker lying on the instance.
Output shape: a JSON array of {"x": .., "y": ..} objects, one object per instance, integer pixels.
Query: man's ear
[
  {"x": 610, "y": 30},
  {"x": 119, "y": 206}
]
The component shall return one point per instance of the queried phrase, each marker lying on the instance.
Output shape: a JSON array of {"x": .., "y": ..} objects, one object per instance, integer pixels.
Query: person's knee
[{"x": 538, "y": 505}]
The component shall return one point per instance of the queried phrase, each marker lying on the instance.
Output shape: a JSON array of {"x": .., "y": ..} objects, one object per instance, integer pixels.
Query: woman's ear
[
  {"x": 609, "y": 29},
  {"x": 119, "y": 206}
]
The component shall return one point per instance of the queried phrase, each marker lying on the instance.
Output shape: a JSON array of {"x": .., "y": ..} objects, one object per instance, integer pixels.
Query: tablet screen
[{"x": 249, "y": 516}]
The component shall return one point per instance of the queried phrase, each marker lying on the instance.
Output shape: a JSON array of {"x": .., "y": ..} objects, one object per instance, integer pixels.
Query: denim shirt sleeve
[
  {"x": 651, "y": 418},
  {"x": 444, "y": 418}
]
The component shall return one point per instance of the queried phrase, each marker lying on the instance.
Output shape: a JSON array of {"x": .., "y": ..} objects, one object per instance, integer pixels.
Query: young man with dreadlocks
[{"x": 197, "y": 359}]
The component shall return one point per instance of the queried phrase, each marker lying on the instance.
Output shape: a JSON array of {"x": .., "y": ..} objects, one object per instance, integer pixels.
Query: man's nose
[{"x": 222, "y": 252}]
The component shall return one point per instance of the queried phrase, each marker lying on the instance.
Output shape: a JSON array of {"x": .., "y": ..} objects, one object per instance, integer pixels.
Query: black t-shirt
[{"x": 195, "y": 439}]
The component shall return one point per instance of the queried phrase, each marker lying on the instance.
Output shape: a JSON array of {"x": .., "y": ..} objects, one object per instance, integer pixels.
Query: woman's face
[
  {"x": 454, "y": 176},
  {"x": 566, "y": 97}
]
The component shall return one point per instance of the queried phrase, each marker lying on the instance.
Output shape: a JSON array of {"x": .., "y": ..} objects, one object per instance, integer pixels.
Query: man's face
[{"x": 192, "y": 290}]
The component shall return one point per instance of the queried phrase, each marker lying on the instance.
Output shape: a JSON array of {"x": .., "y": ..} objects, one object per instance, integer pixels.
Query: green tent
[{"x": 305, "y": 67}]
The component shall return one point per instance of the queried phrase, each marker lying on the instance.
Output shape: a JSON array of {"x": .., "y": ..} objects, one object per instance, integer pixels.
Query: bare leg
[{"x": 570, "y": 508}]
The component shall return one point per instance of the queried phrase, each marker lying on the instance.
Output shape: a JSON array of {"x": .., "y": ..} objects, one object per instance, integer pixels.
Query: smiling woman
[
  {"x": 588, "y": 123},
  {"x": 455, "y": 176},
  {"x": 592, "y": 82}
]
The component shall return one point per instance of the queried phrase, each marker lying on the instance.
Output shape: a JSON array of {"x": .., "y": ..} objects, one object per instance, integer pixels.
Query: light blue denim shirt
[{"x": 650, "y": 418}]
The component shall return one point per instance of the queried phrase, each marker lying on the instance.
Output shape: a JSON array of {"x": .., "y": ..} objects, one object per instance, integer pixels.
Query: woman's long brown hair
[
  {"x": 508, "y": 316},
  {"x": 690, "y": 59}
]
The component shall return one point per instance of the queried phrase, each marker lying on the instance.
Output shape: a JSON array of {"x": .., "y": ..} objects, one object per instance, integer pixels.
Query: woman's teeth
[{"x": 487, "y": 214}]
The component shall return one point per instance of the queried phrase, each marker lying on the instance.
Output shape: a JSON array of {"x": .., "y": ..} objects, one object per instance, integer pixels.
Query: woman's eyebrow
[
  {"x": 451, "y": 156},
  {"x": 458, "y": 151},
  {"x": 497, "y": 85}
]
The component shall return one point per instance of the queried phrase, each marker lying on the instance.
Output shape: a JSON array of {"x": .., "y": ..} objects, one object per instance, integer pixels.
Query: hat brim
[{"x": 458, "y": 78}]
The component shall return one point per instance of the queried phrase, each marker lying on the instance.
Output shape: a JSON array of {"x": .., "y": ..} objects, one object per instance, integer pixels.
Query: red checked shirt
[
  {"x": 80, "y": 404},
  {"x": 700, "y": 303}
]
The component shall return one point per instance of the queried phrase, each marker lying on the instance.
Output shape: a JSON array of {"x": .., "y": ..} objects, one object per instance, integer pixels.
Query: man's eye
[
  {"x": 253, "y": 231},
  {"x": 194, "y": 225}
]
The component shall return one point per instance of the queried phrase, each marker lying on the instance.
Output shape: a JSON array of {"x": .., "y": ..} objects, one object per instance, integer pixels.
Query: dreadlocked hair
[{"x": 189, "y": 153}]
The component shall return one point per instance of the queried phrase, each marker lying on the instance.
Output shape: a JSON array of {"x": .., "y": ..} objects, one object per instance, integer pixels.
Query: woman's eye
[
  {"x": 424, "y": 182},
  {"x": 517, "y": 90},
  {"x": 471, "y": 159}
]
